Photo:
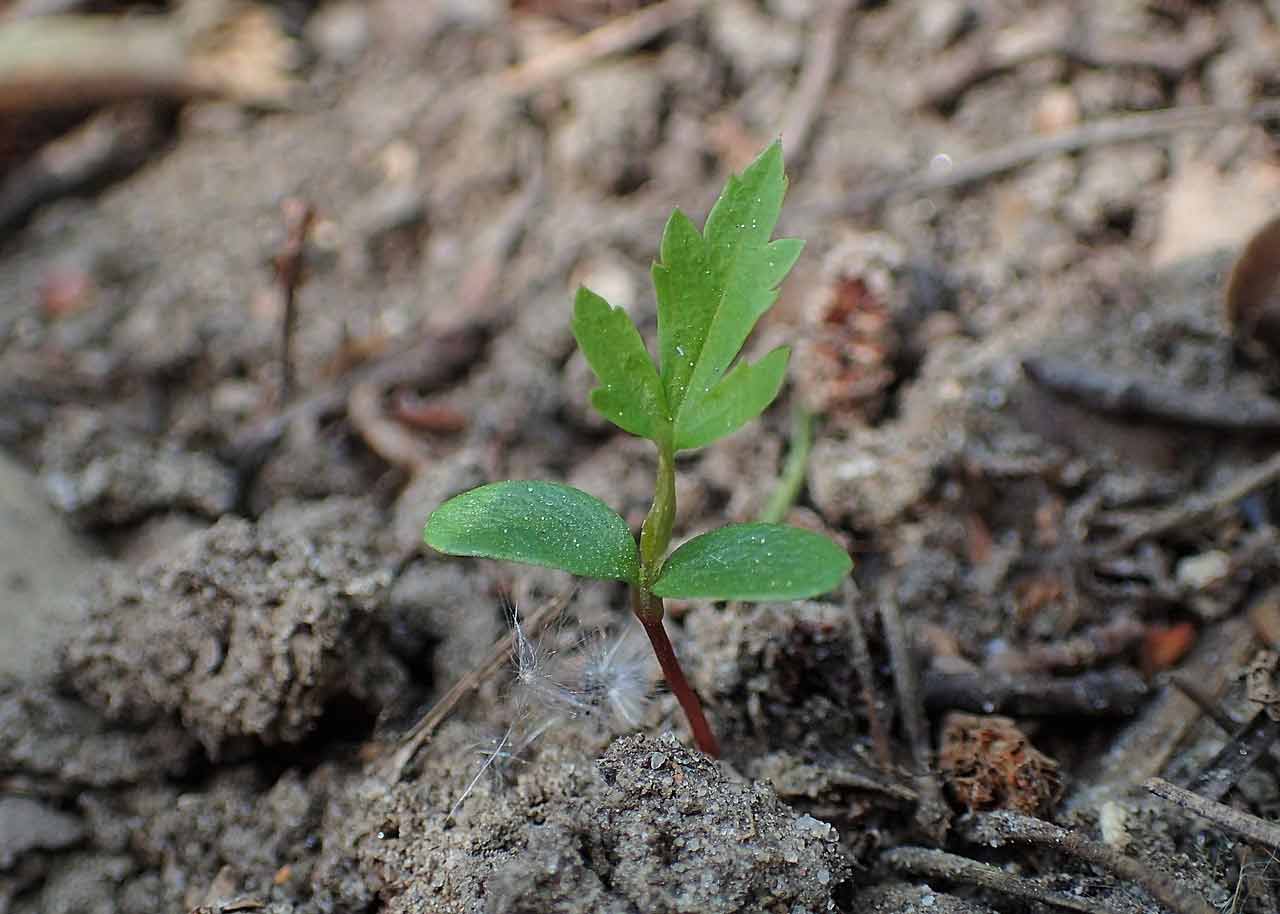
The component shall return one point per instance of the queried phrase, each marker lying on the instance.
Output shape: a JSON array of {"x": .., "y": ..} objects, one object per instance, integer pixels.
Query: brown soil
[{"x": 1007, "y": 378}]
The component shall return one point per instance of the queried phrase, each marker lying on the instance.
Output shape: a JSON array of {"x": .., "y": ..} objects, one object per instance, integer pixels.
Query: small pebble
[
  {"x": 657, "y": 760},
  {"x": 1200, "y": 571},
  {"x": 1112, "y": 821}
]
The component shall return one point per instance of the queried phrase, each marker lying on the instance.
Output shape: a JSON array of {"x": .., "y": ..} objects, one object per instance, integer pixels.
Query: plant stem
[
  {"x": 648, "y": 610},
  {"x": 793, "y": 471},
  {"x": 655, "y": 535}
]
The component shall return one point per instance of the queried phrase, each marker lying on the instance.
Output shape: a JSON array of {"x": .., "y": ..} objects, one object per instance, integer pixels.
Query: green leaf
[
  {"x": 539, "y": 523},
  {"x": 630, "y": 394},
  {"x": 754, "y": 562},
  {"x": 740, "y": 396},
  {"x": 713, "y": 286}
]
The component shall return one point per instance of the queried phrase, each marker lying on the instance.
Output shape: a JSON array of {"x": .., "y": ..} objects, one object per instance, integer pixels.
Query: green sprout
[{"x": 712, "y": 287}]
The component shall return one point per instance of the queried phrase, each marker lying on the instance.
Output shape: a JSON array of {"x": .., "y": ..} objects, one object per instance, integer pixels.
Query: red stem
[{"x": 671, "y": 671}]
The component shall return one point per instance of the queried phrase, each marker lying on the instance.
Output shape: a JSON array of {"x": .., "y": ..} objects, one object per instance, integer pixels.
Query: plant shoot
[{"x": 712, "y": 287}]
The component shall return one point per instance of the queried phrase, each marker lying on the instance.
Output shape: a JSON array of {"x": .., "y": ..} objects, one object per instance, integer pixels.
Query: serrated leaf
[
  {"x": 714, "y": 285},
  {"x": 539, "y": 523},
  {"x": 630, "y": 394},
  {"x": 741, "y": 395},
  {"x": 753, "y": 562}
]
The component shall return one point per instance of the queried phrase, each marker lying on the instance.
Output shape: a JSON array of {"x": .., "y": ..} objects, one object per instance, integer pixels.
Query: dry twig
[
  {"x": 428, "y": 361},
  {"x": 1094, "y": 645},
  {"x": 866, "y": 676},
  {"x": 1245, "y": 749},
  {"x": 1197, "y": 507},
  {"x": 995, "y": 828},
  {"x": 1264, "y": 833},
  {"x": 386, "y": 437},
  {"x": 1101, "y": 693},
  {"x": 1209, "y": 705},
  {"x": 77, "y": 61},
  {"x": 289, "y": 263},
  {"x": 613, "y": 37},
  {"x": 523, "y": 79},
  {"x": 819, "y": 67},
  {"x": 932, "y": 813},
  {"x": 82, "y": 60},
  {"x": 934, "y": 864},
  {"x": 1142, "y": 750},
  {"x": 393, "y": 766},
  {"x": 1133, "y": 396},
  {"x": 1062, "y": 33},
  {"x": 1125, "y": 128}
]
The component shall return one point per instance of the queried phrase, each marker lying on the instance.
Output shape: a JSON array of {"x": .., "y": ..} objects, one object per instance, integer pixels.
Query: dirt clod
[
  {"x": 26, "y": 824},
  {"x": 104, "y": 476},
  {"x": 619, "y": 834},
  {"x": 244, "y": 631}
]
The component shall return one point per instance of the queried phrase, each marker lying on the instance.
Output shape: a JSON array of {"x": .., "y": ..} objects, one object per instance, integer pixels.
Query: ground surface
[{"x": 219, "y": 623}]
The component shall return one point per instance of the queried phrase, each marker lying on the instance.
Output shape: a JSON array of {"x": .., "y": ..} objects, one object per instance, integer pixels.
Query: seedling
[{"x": 712, "y": 287}]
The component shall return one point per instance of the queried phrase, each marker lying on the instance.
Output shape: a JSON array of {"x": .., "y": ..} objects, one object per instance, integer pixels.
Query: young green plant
[{"x": 712, "y": 287}]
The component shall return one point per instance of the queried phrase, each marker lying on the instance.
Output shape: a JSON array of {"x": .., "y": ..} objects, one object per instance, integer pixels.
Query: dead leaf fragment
[{"x": 988, "y": 763}]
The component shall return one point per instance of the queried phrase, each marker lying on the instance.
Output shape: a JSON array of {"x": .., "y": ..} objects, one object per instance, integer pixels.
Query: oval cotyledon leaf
[
  {"x": 539, "y": 523},
  {"x": 754, "y": 562}
]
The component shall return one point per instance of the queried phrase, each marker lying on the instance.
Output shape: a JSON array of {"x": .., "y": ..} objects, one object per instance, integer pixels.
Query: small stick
[
  {"x": 1197, "y": 507},
  {"x": 79, "y": 61},
  {"x": 1099, "y": 693},
  {"x": 418, "y": 735},
  {"x": 1144, "y": 748},
  {"x": 1244, "y": 750},
  {"x": 429, "y": 360},
  {"x": 1129, "y": 395},
  {"x": 1246, "y": 825},
  {"x": 1062, "y": 34},
  {"x": 819, "y": 67},
  {"x": 703, "y": 735},
  {"x": 1125, "y": 128},
  {"x": 1205, "y": 701},
  {"x": 932, "y": 813},
  {"x": 1094, "y": 645},
  {"x": 935, "y": 864},
  {"x": 866, "y": 675},
  {"x": 298, "y": 217},
  {"x": 613, "y": 37},
  {"x": 386, "y": 437},
  {"x": 995, "y": 828},
  {"x": 1212, "y": 709}
]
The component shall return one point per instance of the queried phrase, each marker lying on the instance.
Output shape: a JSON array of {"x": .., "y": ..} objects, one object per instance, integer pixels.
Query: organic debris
[{"x": 988, "y": 763}]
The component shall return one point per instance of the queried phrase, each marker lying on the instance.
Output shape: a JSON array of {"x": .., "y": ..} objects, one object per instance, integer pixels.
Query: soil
[{"x": 221, "y": 622}]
